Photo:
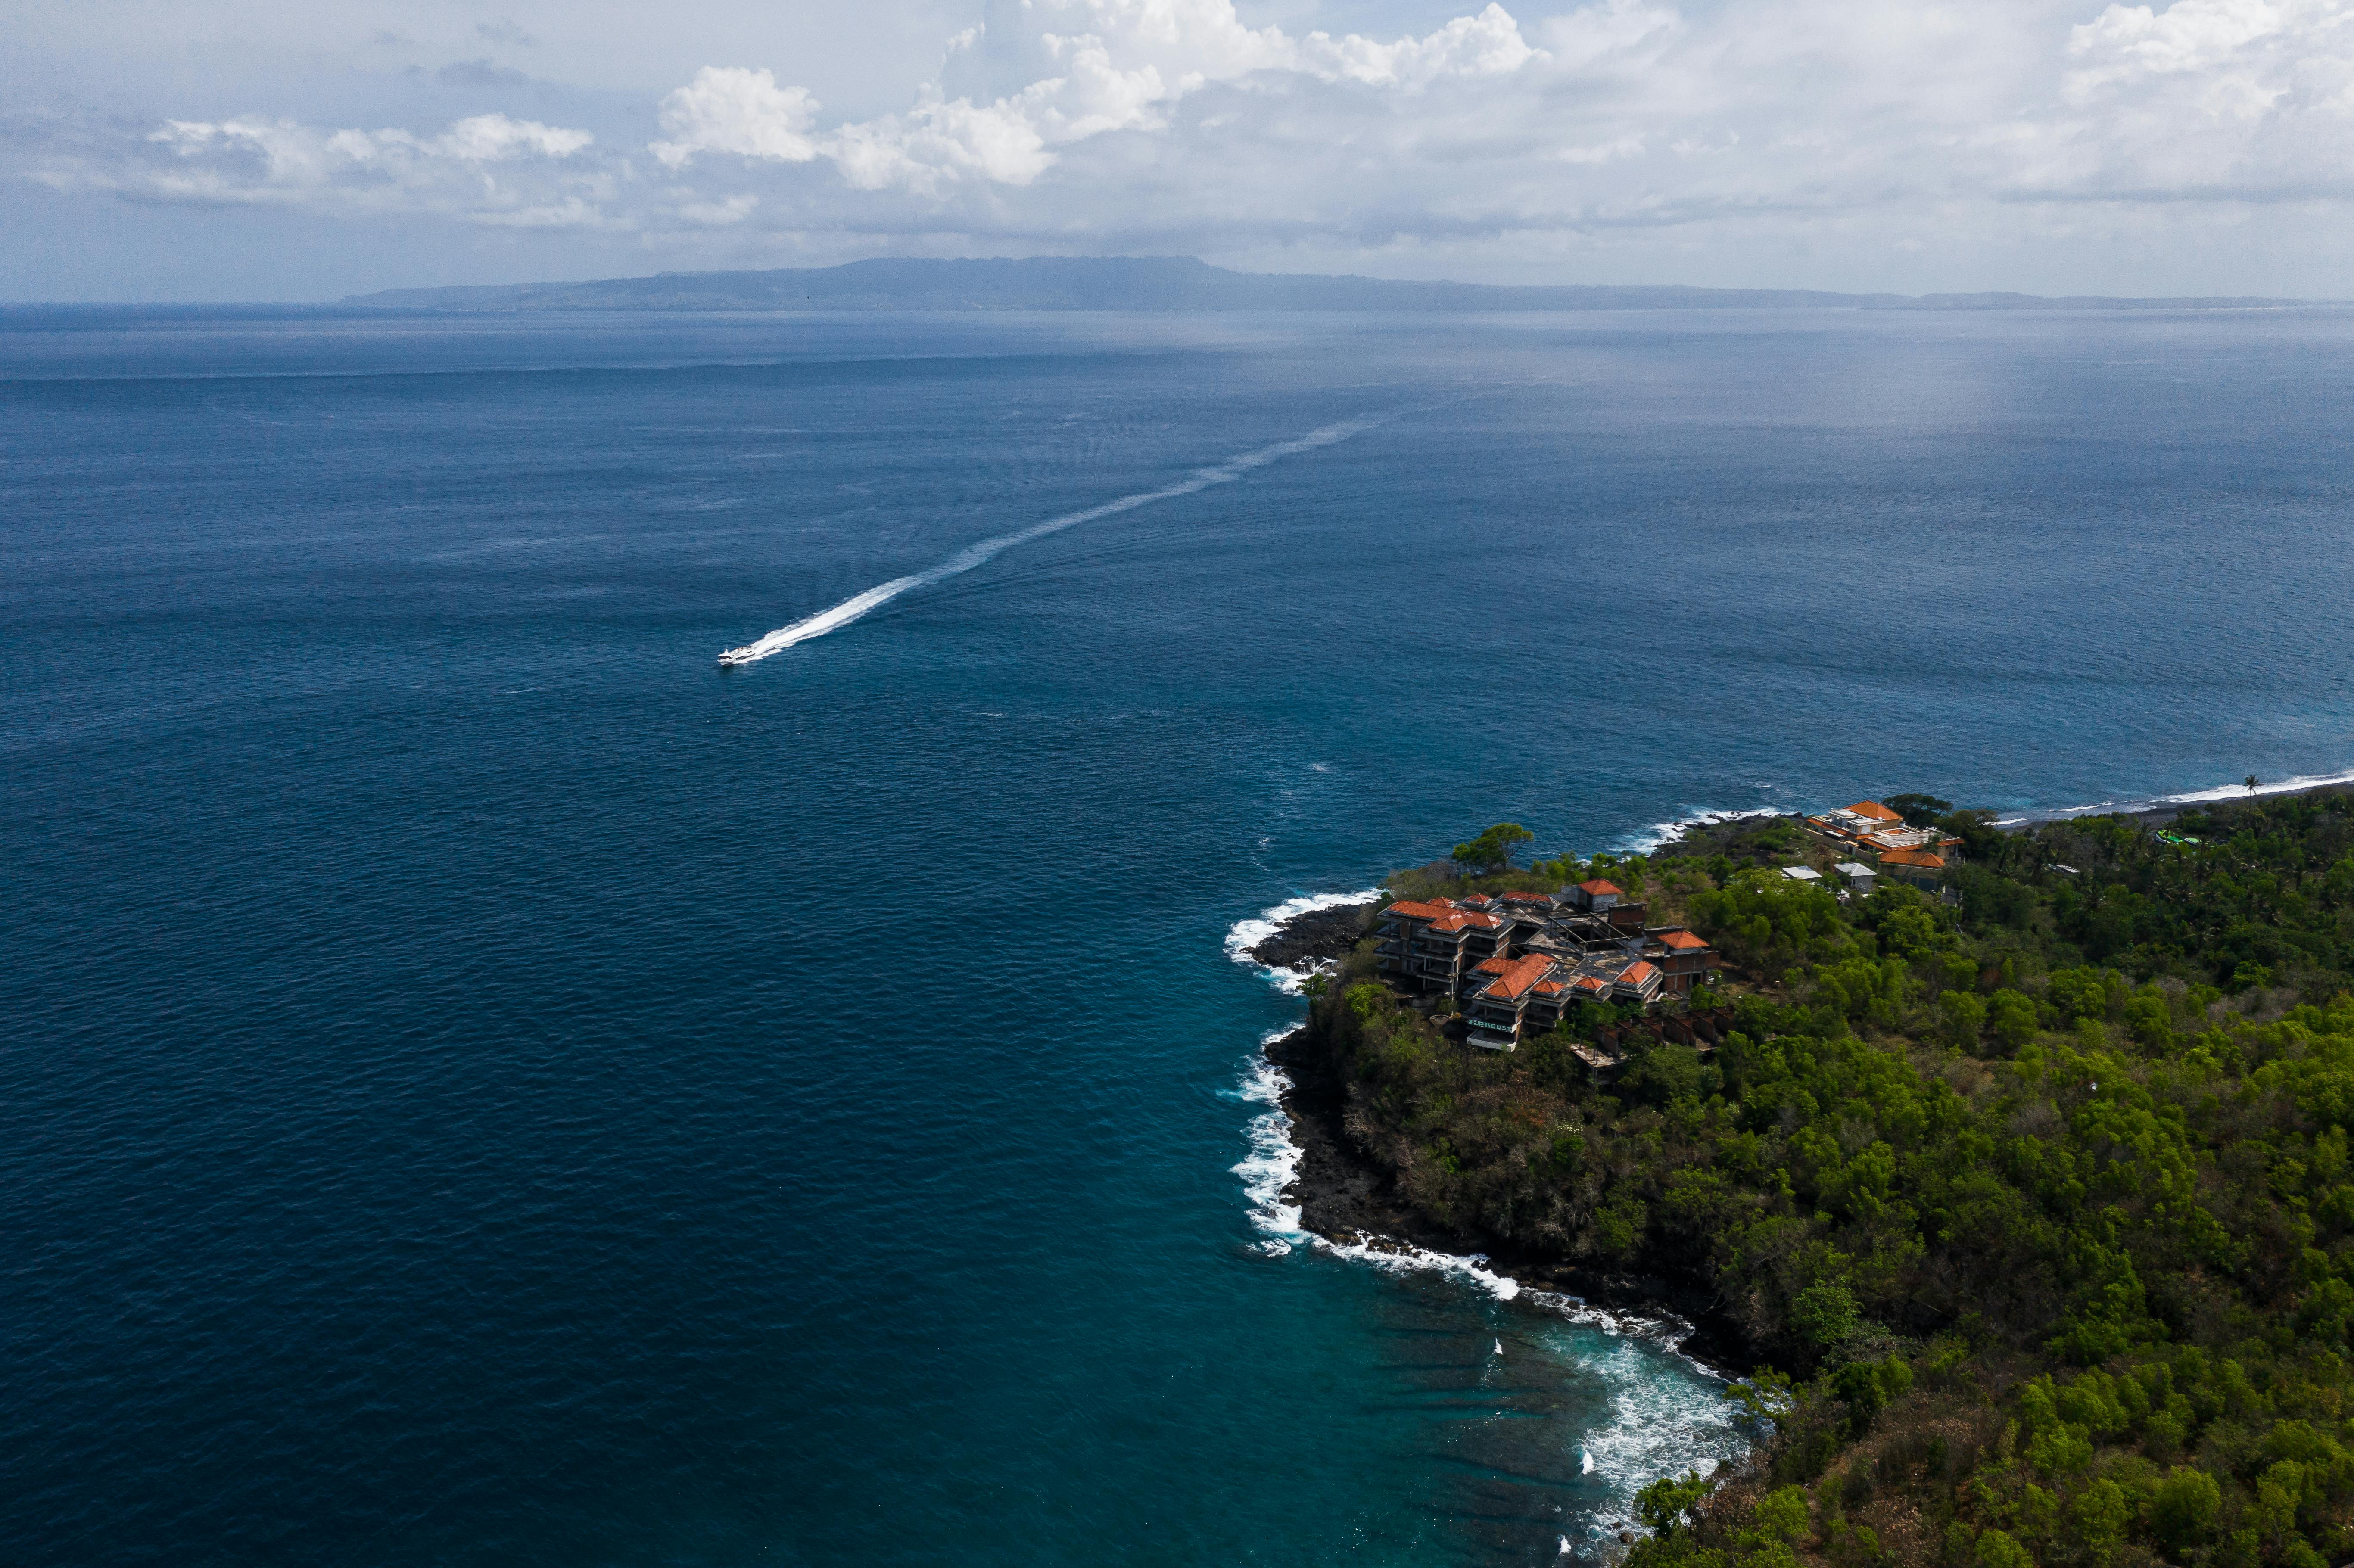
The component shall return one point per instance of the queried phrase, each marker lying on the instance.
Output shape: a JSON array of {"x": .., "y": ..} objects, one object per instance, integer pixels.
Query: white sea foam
[
  {"x": 1273, "y": 1162},
  {"x": 1657, "y": 1426},
  {"x": 1249, "y": 933},
  {"x": 972, "y": 556},
  {"x": 2221, "y": 792},
  {"x": 1402, "y": 1257},
  {"x": 1643, "y": 841},
  {"x": 1660, "y": 1328}
]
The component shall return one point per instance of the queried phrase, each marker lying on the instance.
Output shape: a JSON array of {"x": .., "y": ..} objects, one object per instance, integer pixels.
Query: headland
[{"x": 1986, "y": 1155}]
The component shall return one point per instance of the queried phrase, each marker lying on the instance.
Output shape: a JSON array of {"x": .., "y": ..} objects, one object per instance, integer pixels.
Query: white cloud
[
  {"x": 2213, "y": 99},
  {"x": 1621, "y": 138},
  {"x": 1087, "y": 67},
  {"x": 1488, "y": 44},
  {"x": 727, "y": 109},
  {"x": 257, "y": 162},
  {"x": 486, "y": 138},
  {"x": 2189, "y": 36}
]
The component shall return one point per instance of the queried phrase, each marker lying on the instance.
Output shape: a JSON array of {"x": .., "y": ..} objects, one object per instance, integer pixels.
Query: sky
[{"x": 270, "y": 150}]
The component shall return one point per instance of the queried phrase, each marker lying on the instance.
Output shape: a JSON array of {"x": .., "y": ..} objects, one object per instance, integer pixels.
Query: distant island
[
  {"x": 2011, "y": 1167},
  {"x": 1161, "y": 283}
]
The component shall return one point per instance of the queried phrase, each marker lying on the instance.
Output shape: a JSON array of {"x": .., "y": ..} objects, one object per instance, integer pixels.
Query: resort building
[
  {"x": 1515, "y": 995},
  {"x": 1598, "y": 896},
  {"x": 1683, "y": 959},
  {"x": 1880, "y": 835},
  {"x": 1850, "y": 824},
  {"x": 1516, "y": 962},
  {"x": 1427, "y": 946},
  {"x": 1923, "y": 867},
  {"x": 1639, "y": 981}
]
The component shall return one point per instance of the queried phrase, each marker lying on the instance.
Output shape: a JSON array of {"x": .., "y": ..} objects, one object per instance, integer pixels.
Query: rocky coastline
[
  {"x": 1317, "y": 937},
  {"x": 1346, "y": 1198}
]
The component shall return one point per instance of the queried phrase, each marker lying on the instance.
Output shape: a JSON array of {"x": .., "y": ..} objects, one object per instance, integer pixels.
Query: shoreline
[
  {"x": 2165, "y": 808},
  {"x": 1347, "y": 1200}
]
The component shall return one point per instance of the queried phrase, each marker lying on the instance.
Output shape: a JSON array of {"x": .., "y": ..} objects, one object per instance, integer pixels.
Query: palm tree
[{"x": 2252, "y": 783}]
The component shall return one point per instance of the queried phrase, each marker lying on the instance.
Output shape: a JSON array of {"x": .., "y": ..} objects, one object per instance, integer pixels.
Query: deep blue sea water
[{"x": 481, "y": 1084}]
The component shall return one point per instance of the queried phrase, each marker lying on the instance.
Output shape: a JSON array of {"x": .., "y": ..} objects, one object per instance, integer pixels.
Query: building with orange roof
[
  {"x": 1639, "y": 981},
  {"x": 1873, "y": 830},
  {"x": 1850, "y": 824},
  {"x": 1922, "y": 867},
  {"x": 1430, "y": 946},
  {"x": 1682, "y": 957},
  {"x": 1517, "y": 961},
  {"x": 1508, "y": 990},
  {"x": 1596, "y": 894}
]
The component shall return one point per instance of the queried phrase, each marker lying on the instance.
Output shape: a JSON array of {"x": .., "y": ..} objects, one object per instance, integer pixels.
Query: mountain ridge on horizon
[{"x": 1168, "y": 284}]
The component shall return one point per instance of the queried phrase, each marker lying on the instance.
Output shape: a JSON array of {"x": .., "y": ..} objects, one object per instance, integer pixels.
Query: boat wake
[{"x": 988, "y": 550}]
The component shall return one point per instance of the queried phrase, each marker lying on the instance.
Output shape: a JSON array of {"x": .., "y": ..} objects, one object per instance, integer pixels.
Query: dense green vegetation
[{"x": 2034, "y": 1202}]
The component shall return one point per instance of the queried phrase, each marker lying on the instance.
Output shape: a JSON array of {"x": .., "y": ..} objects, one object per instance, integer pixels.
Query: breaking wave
[
  {"x": 972, "y": 556},
  {"x": 1273, "y": 1162},
  {"x": 2221, "y": 792},
  {"x": 1249, "y": 933},
  {"x": 1658, "y": 1427},
  {"x": 1643, "y": 841}
]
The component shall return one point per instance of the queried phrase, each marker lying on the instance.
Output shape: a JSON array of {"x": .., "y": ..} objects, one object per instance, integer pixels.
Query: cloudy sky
[{"x": 265, "y": 149}]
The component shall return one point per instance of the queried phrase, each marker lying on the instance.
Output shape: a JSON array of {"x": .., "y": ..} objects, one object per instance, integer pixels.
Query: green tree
[
  {"x": 2182, "y": 1509},
  {"x": 1492, "y": 850},
  {"x": 1665, "y": 1506},
  {"x": 2147, "y": 1017},
  {"x": 1962, "y": 1017},
  {"x": 1781, "y": 1515},
  {"x": 1918, "y": 811},
  {"x": 1997, "y": 1549},
  {"x": 2101, "y": 1513},
  {"x": 1825, "y": 1315},
  {"x": 2011, "y": 1016}
]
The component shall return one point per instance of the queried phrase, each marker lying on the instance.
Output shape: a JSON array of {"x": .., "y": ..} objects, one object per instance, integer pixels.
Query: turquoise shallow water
[{"x": 483, "y": 1084}]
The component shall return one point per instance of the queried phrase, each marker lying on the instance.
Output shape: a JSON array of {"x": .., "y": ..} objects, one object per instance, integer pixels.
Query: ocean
[{"x": 483, "y": 1081}]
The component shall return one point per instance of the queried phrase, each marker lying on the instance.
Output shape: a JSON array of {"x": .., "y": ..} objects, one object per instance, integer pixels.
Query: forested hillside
[{"x": 2034, "y": 1203}]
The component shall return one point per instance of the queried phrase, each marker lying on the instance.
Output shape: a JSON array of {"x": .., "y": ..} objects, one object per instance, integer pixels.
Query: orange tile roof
[
  {"x": 1444, "y": 918},
  {"x": 1596, "y": 887},
  {"x": 1921, "y": 858},
  {"x": 1681, "y": 941},
  {"x": 1526, "y": 898},
  {"x": 1519, "y": 976},
  {"x": 1635, "y": 973},
  {"x": 1414, "y": 909},
  {"x": 1876, "y": 812},
  {"x": 1589, "y": 982}
]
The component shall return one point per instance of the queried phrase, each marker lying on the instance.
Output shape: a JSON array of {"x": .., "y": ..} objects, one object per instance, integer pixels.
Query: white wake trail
[{"x": 972, "y": 556}]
